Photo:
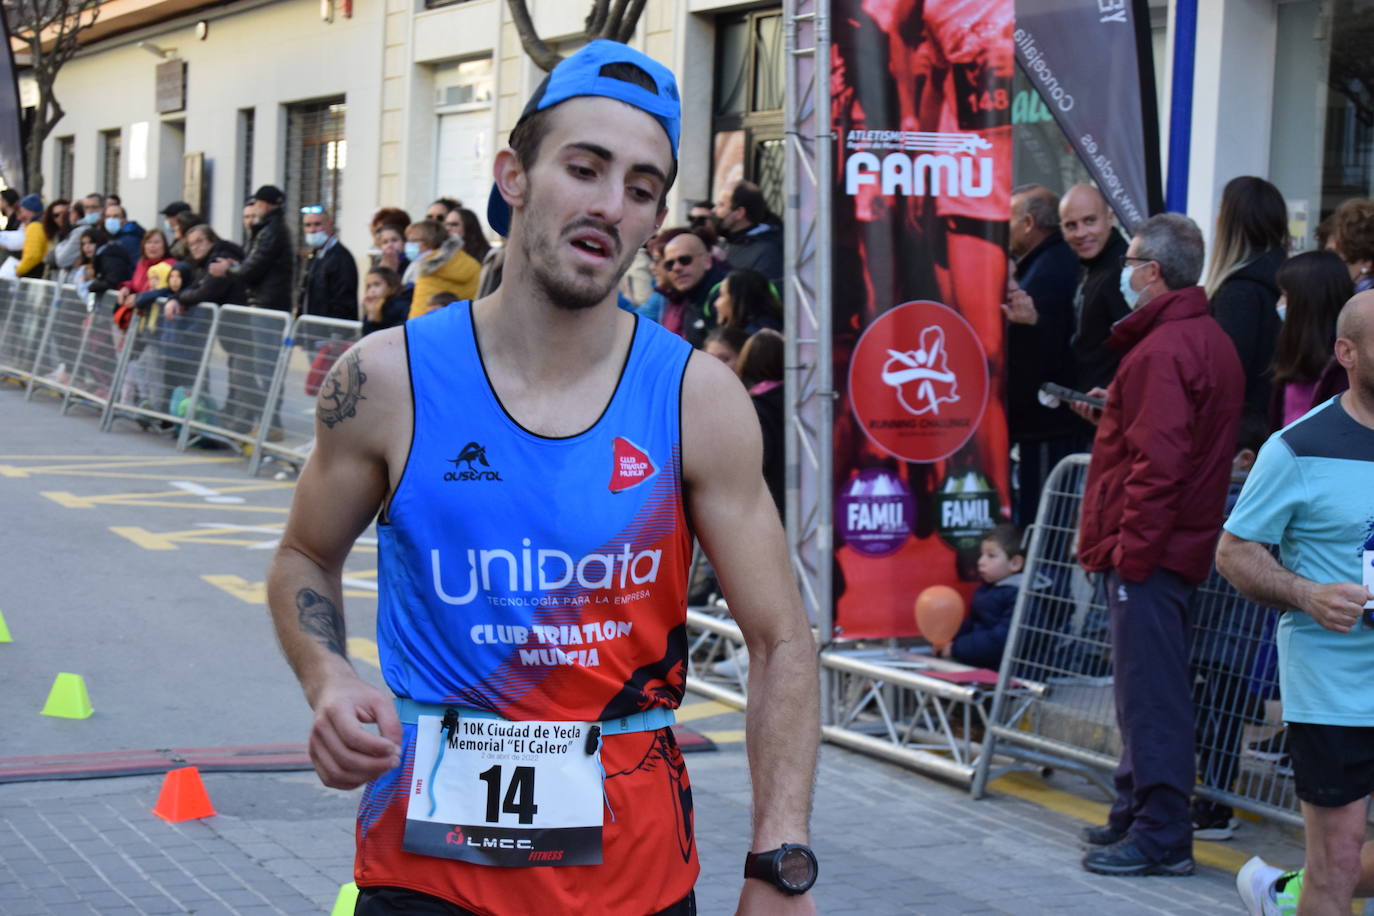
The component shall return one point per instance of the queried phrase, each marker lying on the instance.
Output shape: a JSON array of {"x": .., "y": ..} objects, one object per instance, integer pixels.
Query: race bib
[{"x": 513, "y": 794}]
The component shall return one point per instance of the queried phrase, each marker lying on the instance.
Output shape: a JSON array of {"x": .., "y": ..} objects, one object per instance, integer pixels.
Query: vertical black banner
[
  {"x": 11, "y": 136},
  {"x": 1091, "y": 62}
]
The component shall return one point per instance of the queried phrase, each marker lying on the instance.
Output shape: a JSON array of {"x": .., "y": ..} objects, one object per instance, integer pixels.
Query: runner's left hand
[{"x": 761, "y": 899}]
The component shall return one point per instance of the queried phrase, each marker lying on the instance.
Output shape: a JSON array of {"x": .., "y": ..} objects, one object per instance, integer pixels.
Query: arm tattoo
[
  {"x": 321, "y": 619},
  {"x": 342, "y": 390}
]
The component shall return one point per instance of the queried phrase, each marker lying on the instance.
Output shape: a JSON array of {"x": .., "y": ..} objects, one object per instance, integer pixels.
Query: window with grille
[
  {"x": 316, "y": 156},
  {"x": 749, "y": 80},
  {"x": 110, "y": 149},
  {"x": 66, "y": 166},
  {"x": 247, "y": 121}
]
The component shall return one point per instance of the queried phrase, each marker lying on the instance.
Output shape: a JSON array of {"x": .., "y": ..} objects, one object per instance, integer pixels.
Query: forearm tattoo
[
  {"x": 321, "y": 619},
  {"x": 342, "y": 391}
]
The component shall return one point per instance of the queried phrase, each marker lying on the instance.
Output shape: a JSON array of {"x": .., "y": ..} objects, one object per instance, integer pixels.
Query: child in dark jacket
[{"x": 983, "y": 636}]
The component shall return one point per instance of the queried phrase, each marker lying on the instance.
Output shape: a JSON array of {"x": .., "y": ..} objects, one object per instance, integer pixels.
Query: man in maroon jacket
[{"x": 1152, "y": 509}]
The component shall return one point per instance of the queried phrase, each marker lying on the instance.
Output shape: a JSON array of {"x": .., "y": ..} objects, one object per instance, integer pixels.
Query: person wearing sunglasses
[{"x": 694, "y": 275}]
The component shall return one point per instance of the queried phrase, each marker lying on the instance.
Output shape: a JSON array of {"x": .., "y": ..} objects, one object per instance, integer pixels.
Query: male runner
[
  {"x": 1311, "y": 491},
  {"x": 537, "y": 457}
]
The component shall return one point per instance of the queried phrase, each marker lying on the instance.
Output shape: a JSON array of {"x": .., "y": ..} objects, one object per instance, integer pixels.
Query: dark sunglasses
[{"x": 684, "y": 260}]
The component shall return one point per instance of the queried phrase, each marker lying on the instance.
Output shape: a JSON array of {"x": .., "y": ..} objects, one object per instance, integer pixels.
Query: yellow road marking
[
  {"x": 364, "y": 650},
  {"x": 690, "y": 712},
  {"x": 168, "y": 540},
  {"x": 100, "y": 466},
  {"x": 725, "y": 736},
  {"x": 1026, "y": 786},
  {"x": 72, "y": 501},
  {"x": 256, "y": 592}
]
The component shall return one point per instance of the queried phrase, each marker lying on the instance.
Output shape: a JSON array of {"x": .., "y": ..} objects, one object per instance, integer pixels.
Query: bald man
[
  {"x": 695, "y": 276},
  {"x": 1090, "y": 230},
  {"x": 1038, "y": 343},
  {"x": 1312, "y": 493}
]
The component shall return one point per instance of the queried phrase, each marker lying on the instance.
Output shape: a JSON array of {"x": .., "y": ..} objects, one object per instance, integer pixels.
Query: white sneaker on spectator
[
  {"x": 735, "y": 666},
  {"x": 1255, "y": 884}
]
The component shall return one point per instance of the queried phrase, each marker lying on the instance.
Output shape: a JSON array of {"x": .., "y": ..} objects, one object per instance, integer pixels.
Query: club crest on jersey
[
  {"x": 463, "y": 470},
  {"x": 630, "y": 465}
]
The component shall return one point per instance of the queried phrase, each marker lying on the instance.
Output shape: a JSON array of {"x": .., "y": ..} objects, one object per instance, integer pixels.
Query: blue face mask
[
  {"x": 412, "y": 251},
  {"x": 112, "y": 224},
  {"x": 90, "y": 219},
  {"x": 1282, "y": 308},
  {"x": 316, "y": 239},
  {"x": 1132, "y": 296}
]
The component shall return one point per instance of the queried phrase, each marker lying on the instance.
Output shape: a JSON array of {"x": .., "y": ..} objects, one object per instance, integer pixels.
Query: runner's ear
[{"x": 510, "y": 177}]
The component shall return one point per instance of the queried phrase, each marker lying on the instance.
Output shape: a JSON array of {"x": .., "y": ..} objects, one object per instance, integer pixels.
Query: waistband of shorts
[{"x": 647, "y": 721}]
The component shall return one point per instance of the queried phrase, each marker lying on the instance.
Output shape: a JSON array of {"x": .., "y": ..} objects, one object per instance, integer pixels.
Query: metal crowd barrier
[
  {"x": 25, "y": 320},
  {"x": 1059, "y": 637},
  {"x": 309, "y": 352}
]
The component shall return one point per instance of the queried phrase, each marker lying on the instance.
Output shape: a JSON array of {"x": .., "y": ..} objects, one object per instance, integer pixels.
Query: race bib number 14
[{"x": 506, "y": 793}]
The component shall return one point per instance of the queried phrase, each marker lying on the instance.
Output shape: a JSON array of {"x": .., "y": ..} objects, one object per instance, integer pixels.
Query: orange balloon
[{"x": 939, "y": 613}]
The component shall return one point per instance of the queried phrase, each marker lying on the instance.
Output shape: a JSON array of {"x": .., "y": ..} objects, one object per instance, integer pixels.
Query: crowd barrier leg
[
  {"x": 198, "y": 388},
  {"x": 271, "y": 410},
  {"x": 79, "y": 360},
  {"x": 43, "y": 343},
  {"x": 121, "y": 374}
]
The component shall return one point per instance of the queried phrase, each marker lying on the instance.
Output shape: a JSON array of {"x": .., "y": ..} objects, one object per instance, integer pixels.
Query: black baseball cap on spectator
[
  {"x": 269, "y": 194},
  {"x": 175, "y": 207}
]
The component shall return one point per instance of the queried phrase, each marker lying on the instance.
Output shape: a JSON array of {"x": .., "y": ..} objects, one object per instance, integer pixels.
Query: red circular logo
[{"x": 918, "y": 381}]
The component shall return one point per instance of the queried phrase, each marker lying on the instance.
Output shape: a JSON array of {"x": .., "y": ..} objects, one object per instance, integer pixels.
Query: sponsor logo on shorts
[{"x": 463, "y": 469}]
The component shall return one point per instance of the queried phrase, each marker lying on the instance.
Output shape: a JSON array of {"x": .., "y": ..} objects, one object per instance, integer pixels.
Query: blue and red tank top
[{"x": 540, "y": 578}]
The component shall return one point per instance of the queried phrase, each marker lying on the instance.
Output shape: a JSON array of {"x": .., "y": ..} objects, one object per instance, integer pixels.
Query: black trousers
[{"x": 1150, "y": 624}]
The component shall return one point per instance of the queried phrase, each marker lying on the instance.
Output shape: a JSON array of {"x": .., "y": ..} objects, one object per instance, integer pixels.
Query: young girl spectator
[
  {"x": 1313, "y": 287},
  {"x": 725, "y": 345},
  {"x": 983, "y": 636},
  {"x": 1251, "y": 242},
  {"x": 760, "y": 368},
  {"x": 391, "y": 248},
  {"x": 385, "y": 303},
  {"x": 747, "y": 300},
  {"x": 154, "y": 263},
  {"x": 1352, "y": 237}
]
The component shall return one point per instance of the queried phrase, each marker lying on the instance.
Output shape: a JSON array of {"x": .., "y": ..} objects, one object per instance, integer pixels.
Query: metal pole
[{"x": 1181, "y": 104}]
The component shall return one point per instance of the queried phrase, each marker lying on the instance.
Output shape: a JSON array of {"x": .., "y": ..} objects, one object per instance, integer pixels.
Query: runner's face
[
  {"x": 587, "y": 209},
  {"x": 1086, "y": 223}
]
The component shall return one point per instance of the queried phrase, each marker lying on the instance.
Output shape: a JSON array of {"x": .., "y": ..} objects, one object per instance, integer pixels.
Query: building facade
[{"x": 357, "y": 104}]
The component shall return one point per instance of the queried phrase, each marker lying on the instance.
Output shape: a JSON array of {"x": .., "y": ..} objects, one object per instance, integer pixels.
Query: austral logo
[{"x": 463, "y": 470}]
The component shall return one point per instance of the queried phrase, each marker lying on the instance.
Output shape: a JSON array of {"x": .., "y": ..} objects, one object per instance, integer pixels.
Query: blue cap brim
[{"x": 498, "y": 212}]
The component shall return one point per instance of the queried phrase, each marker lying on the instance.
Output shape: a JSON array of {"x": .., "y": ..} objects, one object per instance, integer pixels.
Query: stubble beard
[{"x": 572, "y": 288}]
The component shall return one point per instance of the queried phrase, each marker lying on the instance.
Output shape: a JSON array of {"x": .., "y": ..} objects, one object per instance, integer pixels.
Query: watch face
[{"x": 796, "y": 868}]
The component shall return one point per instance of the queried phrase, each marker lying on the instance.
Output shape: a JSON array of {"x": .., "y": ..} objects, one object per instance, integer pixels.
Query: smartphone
[{"x": 1068, "y": 394}]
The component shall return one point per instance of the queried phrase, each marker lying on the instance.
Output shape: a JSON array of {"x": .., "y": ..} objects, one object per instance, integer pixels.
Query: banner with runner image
[{"x": 921, "y": 109}]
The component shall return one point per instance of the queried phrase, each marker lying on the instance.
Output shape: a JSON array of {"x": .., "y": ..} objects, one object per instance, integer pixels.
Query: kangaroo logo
[{"x": 471, "y": 452}]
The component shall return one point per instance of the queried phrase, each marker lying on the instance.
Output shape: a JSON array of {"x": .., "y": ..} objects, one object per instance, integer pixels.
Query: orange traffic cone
[{"x": 183, "y": 797}]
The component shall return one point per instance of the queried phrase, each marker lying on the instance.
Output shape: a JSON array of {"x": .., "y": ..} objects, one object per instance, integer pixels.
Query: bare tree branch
[
  {"x": 544, "y": 57},
  {"x": 627, "y": 25},
  {"x": 51, "y": 29},
  {"x": 613, "y": 20},
  {"x": 596, "y": 19}
]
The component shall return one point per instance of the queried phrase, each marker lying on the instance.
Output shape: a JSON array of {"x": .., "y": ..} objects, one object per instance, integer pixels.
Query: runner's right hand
[
  {"x": 1336, "y": 606},
  {"x": 346, "y": 754}
]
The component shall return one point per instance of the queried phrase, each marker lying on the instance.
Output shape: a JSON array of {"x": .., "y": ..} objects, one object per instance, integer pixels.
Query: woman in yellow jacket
[
  {"x": 35, "y": 237},
  {"x": 440, "y": 265}
]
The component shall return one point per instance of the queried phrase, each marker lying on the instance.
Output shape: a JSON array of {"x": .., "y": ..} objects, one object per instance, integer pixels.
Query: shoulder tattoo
[
  {"x": 342, "y": 391},
  {"x": 321, "y": 620}
]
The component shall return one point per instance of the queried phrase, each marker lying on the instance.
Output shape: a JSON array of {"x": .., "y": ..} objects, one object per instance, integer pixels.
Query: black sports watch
[{"x": 791, "y": 868}]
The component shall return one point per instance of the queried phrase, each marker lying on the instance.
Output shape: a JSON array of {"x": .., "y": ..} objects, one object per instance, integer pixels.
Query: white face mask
[
  {"x": 1282, "y": 308},
  {"x": 1132, "y": 296}
]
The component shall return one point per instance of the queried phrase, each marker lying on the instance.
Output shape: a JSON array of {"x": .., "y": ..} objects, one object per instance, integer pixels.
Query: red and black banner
[{"x": 921, "y": 108}]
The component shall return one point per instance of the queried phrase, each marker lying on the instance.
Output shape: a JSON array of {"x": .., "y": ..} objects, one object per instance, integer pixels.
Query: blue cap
[
  {"x": 31, "y": 202},
  {"x": 580, "y": 75}
]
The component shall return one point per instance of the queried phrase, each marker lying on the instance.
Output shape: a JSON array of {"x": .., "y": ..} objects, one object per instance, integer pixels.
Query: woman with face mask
[{"x": 439, "y": 264}]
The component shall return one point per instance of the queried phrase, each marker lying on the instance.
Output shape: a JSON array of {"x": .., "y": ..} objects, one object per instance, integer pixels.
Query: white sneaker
[{"x": 1255, "y": 884}]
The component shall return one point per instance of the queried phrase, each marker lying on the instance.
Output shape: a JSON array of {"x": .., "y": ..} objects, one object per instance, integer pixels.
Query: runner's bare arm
[
  {"x": 738, "y": 525},
  {"x": 1258, "y": 575},
  {"x": 339, "y": 492}
]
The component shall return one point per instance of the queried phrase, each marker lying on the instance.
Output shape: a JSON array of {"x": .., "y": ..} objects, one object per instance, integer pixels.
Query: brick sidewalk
[{"x": 889, "y": 841}]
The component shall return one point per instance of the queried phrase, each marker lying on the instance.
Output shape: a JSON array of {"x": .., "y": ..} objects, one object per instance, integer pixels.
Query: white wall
[{"x": 261, "y": 58}]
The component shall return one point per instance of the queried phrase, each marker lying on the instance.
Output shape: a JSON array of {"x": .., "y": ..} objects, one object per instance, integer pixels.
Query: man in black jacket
[
  {"x": 1090, "y": 230},
  {"x": 753, "y": 240},
  {"x": 267, "y": 277},
  {"x": 1040, "y": 327},
  {"x": 329, "y": 287}
]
